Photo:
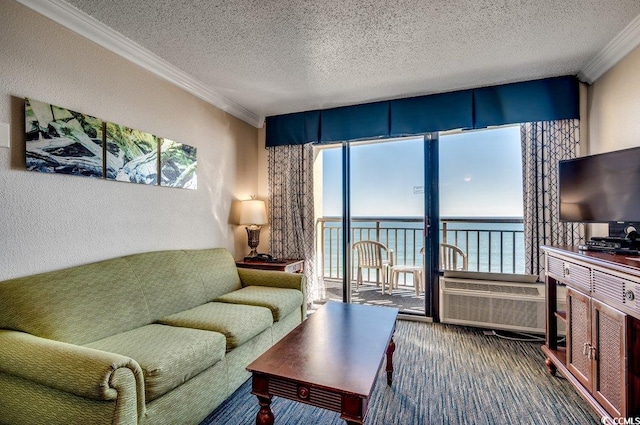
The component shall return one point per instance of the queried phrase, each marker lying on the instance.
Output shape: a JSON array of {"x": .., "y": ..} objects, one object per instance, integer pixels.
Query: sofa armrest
[
  {"x": 276, "y": 279},
  {"x": 82, "y": 371}
]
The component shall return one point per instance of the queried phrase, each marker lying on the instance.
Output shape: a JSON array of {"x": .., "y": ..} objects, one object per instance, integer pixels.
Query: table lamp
[{"x": 253, "y": 214}]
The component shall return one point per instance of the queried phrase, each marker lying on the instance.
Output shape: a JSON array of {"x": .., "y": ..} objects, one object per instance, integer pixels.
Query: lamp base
[
  {"x": 253, "y": 236},
  {"x": 252, "y": 254}
]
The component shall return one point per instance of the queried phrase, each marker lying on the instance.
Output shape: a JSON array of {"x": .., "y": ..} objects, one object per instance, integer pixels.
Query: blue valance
[
  {"x": 367, "y": 121},
  {"x": 438, "y": 112},
  {"x": 293, "y": 129},
  {"x": 540, "y": 100}
]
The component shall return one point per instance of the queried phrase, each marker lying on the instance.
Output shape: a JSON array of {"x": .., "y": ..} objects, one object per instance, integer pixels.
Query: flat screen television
[{"x": 601, "y": 188}]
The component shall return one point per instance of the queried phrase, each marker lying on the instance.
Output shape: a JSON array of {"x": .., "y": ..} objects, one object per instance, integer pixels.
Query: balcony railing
[{"x": 491, "y": 245}]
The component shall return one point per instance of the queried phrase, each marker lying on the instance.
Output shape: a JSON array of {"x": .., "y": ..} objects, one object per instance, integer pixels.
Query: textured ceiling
[{"x": 275, "y": 57}]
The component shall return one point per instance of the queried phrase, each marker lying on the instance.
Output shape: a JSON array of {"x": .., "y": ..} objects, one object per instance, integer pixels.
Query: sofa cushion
[
  {"x": 280, "y": 301},
  {"x": 238, "y": 323},
  {"x": 217, "y": 270},
  {"x": 168, "y": 356},
  {"x": 75, "y": 305},
  {"x": 169, "y": 281}
]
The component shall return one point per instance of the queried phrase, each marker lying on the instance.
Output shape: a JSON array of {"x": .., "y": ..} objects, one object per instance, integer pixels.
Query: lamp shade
[{"x": 253, "y": 212}]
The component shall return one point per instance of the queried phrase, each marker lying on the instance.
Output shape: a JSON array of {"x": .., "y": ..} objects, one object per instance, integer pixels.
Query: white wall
[
  {"x": 614, "y": 107},
  {"x": 50, "y": 221},
  {"x": 614, "y": 113}
]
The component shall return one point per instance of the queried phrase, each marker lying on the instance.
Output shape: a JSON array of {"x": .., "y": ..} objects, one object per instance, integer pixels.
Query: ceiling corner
[
  {"x": 614, "y": 52},
  {"x": 94, "y": 30}
]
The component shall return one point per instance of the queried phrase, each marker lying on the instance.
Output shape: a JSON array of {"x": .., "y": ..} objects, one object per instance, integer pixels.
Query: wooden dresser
[{"x": 601, "y": 355}]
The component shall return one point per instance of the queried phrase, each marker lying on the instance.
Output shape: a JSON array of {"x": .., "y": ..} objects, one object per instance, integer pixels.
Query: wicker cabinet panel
[
  {"x": 579, "y": 336},
  {"x": 609, "y": 384}
]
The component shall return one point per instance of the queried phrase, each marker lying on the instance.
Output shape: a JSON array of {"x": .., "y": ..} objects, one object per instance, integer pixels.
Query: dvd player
[
  {"x": 627, "y": 251},
  {"x": 596, "y": 248},
  {"x": 597, "y": 244},
  {"x": 609, "y": 249},
  {"x": 611, "y": 241}
]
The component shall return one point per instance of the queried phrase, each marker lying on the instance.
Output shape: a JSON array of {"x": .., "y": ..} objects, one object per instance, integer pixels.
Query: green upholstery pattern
[
  {"x": 192, "y": 401},
  {"x": 284, "y": 326},
  {"x": 280, "y": 301},
  {"x": 238, "y": 323},
  {"x": 83, "y": 344},
  {"x": 168, "y": 280},
  {"x": 274, "y": 279},
  {"x": 217, "y": 270},
  {"x": 46, "y": 304},
  {"x": 23, "y": 402},
  {"x": 168, "y": 356},
  {"x": 239, "y": 359},
  {"x": 82, "y": 371}
]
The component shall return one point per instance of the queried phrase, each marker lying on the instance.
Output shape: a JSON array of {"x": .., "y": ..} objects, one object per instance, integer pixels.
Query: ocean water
[{"x": 490, "y": 246}]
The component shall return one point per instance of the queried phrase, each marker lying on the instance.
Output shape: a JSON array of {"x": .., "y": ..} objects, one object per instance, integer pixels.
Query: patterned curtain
[
  {"x": 543, "y": 145},
  {"x": 291, "y": 212}
]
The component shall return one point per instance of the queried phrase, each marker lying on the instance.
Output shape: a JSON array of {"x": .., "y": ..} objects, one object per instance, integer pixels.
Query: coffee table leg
[
  {"x": 265, "y": 415},
  {"x": 390, "y": 349}
]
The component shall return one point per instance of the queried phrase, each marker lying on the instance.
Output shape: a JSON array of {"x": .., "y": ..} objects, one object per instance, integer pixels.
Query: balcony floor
[{"x": 403, "y": 298}]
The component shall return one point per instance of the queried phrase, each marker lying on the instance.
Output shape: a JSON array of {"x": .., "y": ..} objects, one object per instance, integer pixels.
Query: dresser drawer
[
  {"x": 609, "y": 287},
  {"x": 569, "y": 273},
  {"x": 577, "y": 276},
  {"x": 555, "y": 267}
]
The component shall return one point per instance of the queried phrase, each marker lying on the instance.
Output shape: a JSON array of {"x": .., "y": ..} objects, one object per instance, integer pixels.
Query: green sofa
[{"x": 155, "y": 338}]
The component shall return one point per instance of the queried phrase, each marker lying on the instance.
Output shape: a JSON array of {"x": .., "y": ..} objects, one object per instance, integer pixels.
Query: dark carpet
[{"x": 444, "y": 374}]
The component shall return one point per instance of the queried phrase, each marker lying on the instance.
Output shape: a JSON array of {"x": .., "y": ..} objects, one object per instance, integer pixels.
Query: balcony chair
[
  {"x": 452, "y": 258},
  {"x": 418, "y": 281},
  {"x": 373, "y": 255}
]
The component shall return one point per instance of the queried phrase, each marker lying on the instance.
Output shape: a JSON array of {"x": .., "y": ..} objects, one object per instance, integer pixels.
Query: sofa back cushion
[
  {"x": 169, "y": 281},
  {"x": 76, "y": 305},
  {"x": 217, "y": 270}
]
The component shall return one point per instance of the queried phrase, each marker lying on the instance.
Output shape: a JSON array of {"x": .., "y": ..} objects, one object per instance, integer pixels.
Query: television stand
[{"x": 601, "y": 357}]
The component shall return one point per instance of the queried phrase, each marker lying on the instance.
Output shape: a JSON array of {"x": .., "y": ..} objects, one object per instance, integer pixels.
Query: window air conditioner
[{"x": 496, "y": 301}]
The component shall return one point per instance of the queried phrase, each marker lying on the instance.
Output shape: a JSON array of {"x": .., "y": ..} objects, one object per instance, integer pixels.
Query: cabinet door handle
[
  {"x": 592, "y": 353},
  {"x": 585, "y": 349}
]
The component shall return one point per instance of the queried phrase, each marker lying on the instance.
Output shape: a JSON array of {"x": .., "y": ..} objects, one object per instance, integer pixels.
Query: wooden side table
[{"x": 288, "y": 265}]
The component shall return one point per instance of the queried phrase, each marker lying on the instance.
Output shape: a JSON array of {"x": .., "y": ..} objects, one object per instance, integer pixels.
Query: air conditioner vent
[
  {"x": 495, "y": 304},
  {"x": 530, "y": 289}
]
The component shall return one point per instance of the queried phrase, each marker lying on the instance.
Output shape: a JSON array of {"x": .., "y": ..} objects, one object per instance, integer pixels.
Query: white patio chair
[
  {"x": 376, "y": 256},
  {"x": 452, "y": 258}
]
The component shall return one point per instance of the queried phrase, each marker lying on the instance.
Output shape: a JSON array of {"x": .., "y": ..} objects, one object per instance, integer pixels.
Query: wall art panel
[
  {"x": 132, "y": 155},
  {"x": 178, "y": 165},
  {"x": 58, "y": 140}
]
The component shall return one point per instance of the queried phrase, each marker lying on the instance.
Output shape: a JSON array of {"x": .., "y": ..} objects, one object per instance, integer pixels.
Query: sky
[{"x": 480, "y": 176}]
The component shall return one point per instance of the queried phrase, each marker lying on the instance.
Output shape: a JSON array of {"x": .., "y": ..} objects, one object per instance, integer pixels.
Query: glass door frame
[
  {"x": 431, "y": 222},
  {"x": 430, "y": 214}
]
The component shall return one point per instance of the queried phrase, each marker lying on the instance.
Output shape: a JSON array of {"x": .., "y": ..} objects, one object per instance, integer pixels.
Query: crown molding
[
  {"x": 627, "y": 40},
  {"x": 94, "y": 30}
]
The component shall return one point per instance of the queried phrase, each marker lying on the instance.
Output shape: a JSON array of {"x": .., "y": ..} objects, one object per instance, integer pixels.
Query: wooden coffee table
[{"x": 331, "y": 361}]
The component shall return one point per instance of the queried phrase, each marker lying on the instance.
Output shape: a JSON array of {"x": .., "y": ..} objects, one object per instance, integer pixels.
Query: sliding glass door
[{"x": 372, "y": 230}]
